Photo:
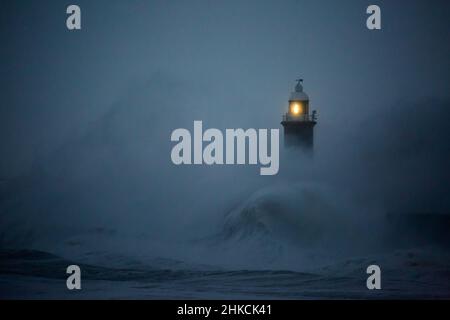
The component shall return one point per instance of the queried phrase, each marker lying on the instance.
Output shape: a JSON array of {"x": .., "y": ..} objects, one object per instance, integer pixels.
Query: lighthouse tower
[{"x": 298, "y": 123}]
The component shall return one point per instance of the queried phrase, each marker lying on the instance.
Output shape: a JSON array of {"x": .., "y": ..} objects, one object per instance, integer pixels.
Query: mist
[
  {"x": 115, "y": 188},
  {"x": 87, "y": 118}
]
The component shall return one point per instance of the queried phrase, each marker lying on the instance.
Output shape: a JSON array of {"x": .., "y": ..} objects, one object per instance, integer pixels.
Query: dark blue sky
[{"x": 235, "y": 59}]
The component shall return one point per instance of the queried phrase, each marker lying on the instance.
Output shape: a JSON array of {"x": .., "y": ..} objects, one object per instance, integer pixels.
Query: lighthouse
[{"x": 298, "y": 123}]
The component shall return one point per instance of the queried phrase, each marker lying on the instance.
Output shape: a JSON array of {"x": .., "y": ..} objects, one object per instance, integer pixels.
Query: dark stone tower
[{"x": 298, "y": 123}]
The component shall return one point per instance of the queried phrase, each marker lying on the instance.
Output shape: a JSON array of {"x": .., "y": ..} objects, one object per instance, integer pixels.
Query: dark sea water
[
  {"x": 289, "y": 243},
  {"x": 28, "y": 274}
]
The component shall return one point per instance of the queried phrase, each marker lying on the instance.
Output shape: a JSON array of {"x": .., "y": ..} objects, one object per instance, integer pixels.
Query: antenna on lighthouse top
[{"x": 299, "y": 87}]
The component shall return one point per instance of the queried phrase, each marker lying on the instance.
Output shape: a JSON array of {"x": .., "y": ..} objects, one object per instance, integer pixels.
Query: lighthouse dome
[{"x": 298, "y": 94}]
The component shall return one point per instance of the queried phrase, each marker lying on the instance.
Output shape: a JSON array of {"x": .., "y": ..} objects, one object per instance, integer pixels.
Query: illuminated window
[{"x": 296, "y": 108}]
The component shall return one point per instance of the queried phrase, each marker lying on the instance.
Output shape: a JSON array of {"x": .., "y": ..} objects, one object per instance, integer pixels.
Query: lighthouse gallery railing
[{"x": 303, "y": 117}]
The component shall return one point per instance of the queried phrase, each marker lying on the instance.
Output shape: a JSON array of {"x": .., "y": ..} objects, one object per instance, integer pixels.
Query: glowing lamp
[{"x": 296, "y": 109}]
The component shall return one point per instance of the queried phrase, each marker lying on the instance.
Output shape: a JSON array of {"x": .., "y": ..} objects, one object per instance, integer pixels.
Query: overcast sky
[{"x": 238, "y": 59}]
